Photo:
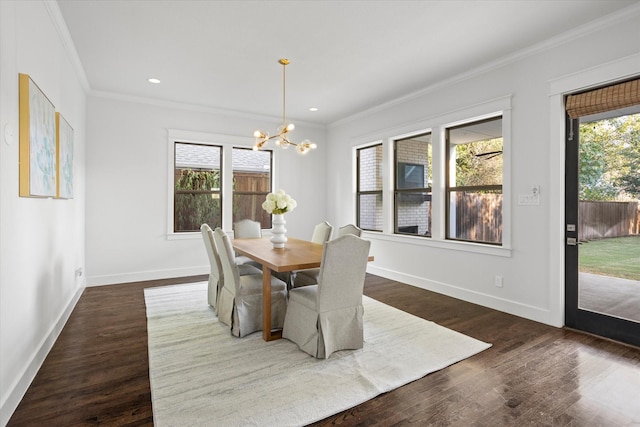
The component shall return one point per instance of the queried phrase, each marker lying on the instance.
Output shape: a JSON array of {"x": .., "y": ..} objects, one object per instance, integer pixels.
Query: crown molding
[
  {"x": 606, "y": 21},
  {"x": 67, "y": 42}
]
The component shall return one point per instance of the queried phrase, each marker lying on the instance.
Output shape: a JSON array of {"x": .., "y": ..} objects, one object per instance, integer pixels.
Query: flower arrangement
[{"x": 279, "y": 203}]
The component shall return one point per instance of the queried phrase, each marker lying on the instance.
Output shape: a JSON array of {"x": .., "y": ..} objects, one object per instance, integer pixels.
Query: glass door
[{"x": 602, "y": 271}]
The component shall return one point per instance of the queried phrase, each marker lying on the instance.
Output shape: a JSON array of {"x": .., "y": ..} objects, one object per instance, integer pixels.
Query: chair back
[
  {"x": 322, "y": 233},
  {"x": 214, "y": 258},
  {"x": 247, "y": 229},
  {"x": 208, "y": 243},
  {"x": 227, "y": 259},
  {"x": 342, "y": 272},
  {"x": 349, "y": 229},
  {"x": 215, "y": 275}
]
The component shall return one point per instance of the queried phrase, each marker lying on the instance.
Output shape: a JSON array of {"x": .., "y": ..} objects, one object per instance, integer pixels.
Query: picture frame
[
  {"x": 64, "y": 158},
  {"x": 37, "y": 151}
]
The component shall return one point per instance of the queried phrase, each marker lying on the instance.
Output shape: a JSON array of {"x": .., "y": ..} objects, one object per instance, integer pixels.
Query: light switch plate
[{"x": 528, "y": 199}]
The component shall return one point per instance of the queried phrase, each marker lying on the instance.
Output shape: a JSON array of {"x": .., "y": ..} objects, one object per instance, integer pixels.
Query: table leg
[
  {"x": 266, "y": 303},
  {"x": 267, "y": 334}
]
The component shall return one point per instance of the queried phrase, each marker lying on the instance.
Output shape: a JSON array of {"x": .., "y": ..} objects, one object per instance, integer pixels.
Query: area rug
[{"x": 202, "y": 376}]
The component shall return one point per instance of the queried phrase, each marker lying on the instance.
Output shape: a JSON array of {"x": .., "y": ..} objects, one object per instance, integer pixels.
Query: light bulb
[{"x": 290, "y": 127}]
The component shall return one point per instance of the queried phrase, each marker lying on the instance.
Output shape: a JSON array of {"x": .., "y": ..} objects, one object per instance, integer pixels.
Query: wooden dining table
[{"x": 296, "y": 255}]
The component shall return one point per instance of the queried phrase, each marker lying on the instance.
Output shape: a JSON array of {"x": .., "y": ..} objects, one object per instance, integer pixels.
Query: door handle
[{"x": 572, "y": 241}]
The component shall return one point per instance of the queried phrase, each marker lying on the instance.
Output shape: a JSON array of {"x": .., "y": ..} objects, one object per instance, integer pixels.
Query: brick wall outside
[
  {"x": 370, "y": 179},
  {"x": 414, "y": 209}
]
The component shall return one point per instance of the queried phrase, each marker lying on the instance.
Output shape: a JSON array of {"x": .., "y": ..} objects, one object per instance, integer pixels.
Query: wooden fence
[
  {"x": 479, "y": 217},
  {"x": 597, "y": 220},
  {"x": 250, "y": 190}
]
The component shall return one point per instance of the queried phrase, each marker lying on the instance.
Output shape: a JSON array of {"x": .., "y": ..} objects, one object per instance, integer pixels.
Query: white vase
[{"x": 278, "y": 232}]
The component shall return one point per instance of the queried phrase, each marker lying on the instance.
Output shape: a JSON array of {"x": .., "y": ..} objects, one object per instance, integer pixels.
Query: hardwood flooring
[{"x": 97, "y": 371}]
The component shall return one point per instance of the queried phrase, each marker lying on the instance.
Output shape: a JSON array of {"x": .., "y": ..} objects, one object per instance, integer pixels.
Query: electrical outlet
[{"x": 498, "y": 281}]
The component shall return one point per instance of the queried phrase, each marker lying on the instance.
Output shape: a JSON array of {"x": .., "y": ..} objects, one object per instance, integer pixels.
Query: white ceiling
[{"x": 346, "y": 56}]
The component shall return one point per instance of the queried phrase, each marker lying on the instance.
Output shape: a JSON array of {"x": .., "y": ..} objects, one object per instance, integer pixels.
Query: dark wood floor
[{"x": 97, "y": 372}]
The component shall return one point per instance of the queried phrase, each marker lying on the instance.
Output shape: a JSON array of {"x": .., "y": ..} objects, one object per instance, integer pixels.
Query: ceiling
[{"x": 346, "y": 56}]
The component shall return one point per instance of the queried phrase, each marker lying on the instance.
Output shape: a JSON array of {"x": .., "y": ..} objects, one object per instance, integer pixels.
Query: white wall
[
  {"x": 128, "y": 175},
  {"x": 532, "y": 267},
  {"x": 41, "y": 240}
]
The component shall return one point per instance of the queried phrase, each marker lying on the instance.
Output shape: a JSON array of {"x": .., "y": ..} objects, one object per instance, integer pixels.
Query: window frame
[
  {"x": 360, "y": 193},
  {"x": 397, "y": 190},
  {"x": 437, "y": 125},
  {"x": 449, "y": 188},
  {"x": 197, "y": 192},
  {"x": 227, "y": 142}
]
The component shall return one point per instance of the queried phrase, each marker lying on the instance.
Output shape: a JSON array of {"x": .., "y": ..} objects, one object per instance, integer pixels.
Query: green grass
[{"x": 617, "y": 257}]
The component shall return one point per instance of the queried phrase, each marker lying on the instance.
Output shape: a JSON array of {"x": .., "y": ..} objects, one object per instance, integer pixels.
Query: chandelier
[{"x": 281, "y": 138}]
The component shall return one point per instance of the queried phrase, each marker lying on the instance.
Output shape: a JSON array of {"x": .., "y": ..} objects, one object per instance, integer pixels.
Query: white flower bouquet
[{"x": 279, "y": 203}]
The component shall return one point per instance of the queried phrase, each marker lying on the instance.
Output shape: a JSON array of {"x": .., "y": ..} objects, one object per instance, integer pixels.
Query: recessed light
[
  {"x": 156, "y": 81},
  {"x": 313, "y": 109}
]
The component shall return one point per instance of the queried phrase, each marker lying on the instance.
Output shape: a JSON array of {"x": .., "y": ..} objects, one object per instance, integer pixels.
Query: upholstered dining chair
[
  {"x": 216, "y": 279},
  {"x": 350, "y": 229},
  {"x": 327, "y": 317},
  {"x": 240, "y": 299},
  {"x": 321, "y": 234},
  {"x": 247, "y": 229},
  {"x": 310, "y": 275}
]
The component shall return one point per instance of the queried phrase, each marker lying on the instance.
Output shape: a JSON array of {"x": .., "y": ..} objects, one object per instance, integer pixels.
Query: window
[
  {"x": 474, "y": 181},
  {"x": 251, "y": 184},
  {"x": 412, "y": 195},
  {"x": 369, "y": 188},
  {"x": 197, "y": 183}
]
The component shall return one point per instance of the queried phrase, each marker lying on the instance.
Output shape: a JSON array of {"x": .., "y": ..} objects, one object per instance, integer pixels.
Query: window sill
[
  {"x": 477, "y": 248},
  {"x": 184, "y": 236}
]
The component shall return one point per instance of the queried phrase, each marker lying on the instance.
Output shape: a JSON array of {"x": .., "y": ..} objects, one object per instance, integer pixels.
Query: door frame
[
  {"x": 583, "y": 78},
  {"x": 589, "y": 321}
]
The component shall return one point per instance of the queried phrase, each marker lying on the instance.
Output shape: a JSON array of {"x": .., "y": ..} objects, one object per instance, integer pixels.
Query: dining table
[{"x": 297, "y": 254}]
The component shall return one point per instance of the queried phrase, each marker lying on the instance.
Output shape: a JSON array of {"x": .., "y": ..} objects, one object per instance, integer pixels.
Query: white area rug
[{"x": 202, "y": 376}]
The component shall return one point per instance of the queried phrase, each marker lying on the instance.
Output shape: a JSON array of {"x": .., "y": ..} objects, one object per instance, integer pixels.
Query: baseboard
[
  {"x": 507, "y": 306},
  {"x": 142, "y": 276},
  {"x": 22, "y": 384}
]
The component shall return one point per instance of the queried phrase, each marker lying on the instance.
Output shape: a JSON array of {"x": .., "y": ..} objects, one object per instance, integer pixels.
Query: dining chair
[
  {"x": 350, "y": 229},
  {"x": 240, "y": 299},
  {"x": 247, "y": 229},
  {"x": 216, "y": 279},
  {"x": 327, "y": 317},
  {"x": 322, "y": 233}
]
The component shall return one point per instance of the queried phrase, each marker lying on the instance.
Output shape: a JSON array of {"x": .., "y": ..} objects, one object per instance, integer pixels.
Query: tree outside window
[{"x": 610, "y": 159}]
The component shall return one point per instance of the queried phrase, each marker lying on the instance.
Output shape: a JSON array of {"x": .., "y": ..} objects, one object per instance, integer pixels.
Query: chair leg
[{"x": 292, "y": 280}]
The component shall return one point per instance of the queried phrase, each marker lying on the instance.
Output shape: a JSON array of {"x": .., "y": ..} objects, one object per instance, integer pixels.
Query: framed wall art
[
  {"x": 37, "y": 141},
  {"x": 64, "y": 153}
]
